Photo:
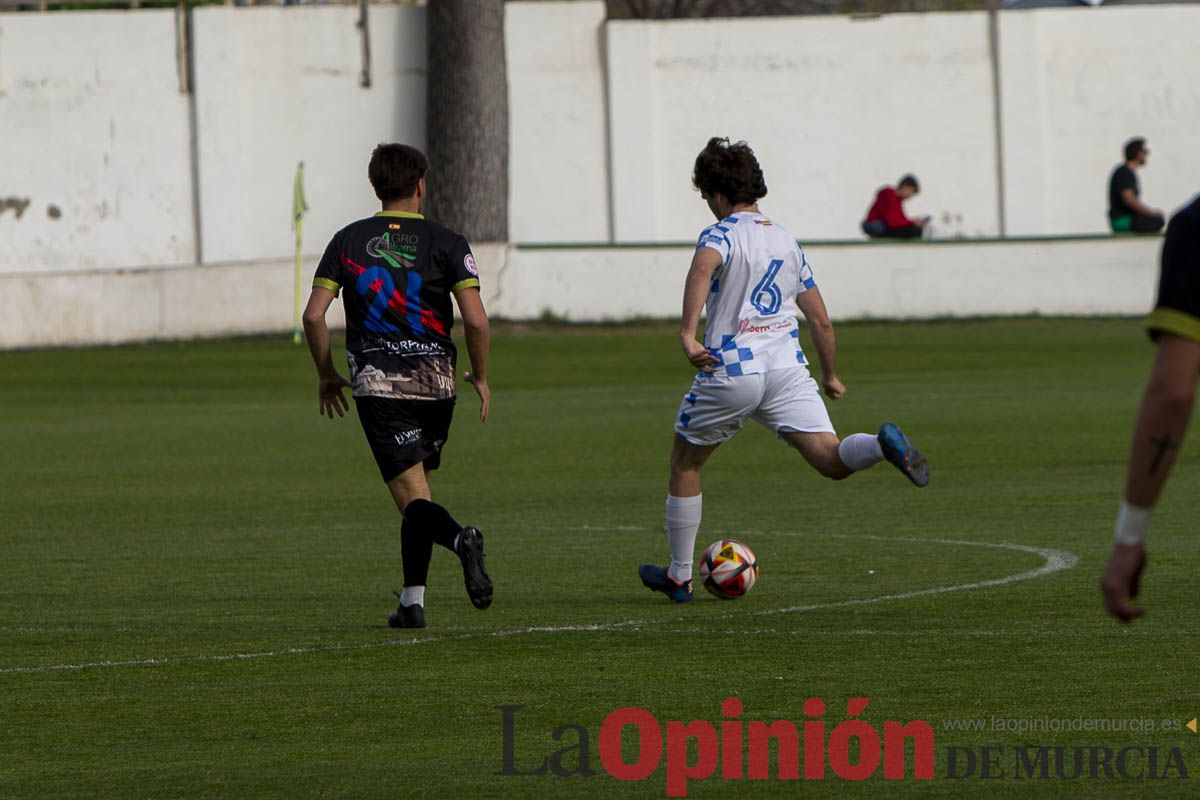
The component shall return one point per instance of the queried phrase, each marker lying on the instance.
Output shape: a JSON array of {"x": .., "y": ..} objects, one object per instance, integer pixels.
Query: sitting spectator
[
  {"x": 1126, "y": 211},
  {"x": 886, "y": 217}
]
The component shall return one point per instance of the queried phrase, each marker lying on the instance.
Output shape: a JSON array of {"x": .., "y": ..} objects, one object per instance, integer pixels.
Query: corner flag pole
[{"x": 298, "y": 209}]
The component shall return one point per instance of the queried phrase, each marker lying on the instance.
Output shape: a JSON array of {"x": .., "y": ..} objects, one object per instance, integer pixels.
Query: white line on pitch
[{"x": 1055, "y": 561}]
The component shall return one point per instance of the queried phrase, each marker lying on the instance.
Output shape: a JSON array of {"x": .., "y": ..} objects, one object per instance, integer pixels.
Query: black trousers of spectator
[
  {"x": 905, "y": 232},
  {"x": 1147, "y": 223}
]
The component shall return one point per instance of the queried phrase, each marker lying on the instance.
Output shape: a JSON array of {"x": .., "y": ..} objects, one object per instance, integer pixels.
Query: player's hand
[
  {"x": 698, "y": 356},
  {"x": 329, "y": 394},
  {"x": 832, "y": 387},
  {"x": 485, "y": 394},
  {"x": 1122, "y": 579}
]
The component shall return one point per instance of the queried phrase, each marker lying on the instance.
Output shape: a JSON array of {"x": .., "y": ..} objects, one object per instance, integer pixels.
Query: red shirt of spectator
[{"x": 888, "y": 208}]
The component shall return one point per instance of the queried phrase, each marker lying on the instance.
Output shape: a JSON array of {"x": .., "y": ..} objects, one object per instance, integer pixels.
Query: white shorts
[{"x": 782, "y": 400}]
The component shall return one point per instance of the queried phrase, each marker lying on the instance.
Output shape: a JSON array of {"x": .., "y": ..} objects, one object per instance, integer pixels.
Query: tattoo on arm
[{"x": 1163, "y": 443}]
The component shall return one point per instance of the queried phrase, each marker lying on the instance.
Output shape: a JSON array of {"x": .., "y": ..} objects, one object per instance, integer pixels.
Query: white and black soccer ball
[{"x": 728, "y": 569}]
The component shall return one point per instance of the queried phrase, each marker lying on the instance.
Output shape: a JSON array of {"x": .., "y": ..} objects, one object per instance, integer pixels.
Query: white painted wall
[
  {"x": 558, "y": 144},
  {"x": 1078, "y": 83},
  {"x": 92, "y": 123},
  {"x": 835, "y": 107},
  {"x": 276, "y": 86},
  {"x": 884, "y": 281}
]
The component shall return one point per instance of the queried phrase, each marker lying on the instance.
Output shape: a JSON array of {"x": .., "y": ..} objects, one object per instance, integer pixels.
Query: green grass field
[{"x": 196, "y": 569}]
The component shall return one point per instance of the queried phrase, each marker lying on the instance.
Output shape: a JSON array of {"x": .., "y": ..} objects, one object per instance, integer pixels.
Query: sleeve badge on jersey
[{"x": 469, "y": 263}]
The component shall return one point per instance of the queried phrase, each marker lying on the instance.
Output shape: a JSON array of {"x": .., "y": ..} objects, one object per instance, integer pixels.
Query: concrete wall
[
  {"x": 898, "y": 281},
  {"x": 110, "y": 306},
  {"x": 885, "y": 281},
  {"x": 276, "y": 86},
  {"x": 1076, "y": 87},
  {"x": 606, "y": 119},
  {"x": 94, "y": 171},
  {"x": 834, "y": 107},
  {"x": 558, "y": 144}
]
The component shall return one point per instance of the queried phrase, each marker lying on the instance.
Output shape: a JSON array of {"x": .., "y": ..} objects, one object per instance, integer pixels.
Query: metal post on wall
[
  {"x": 185, "y": 65},
  {"x": 364, "y": 77},
  {"x": 997, "y": 112},
  {"x": 183, "y": 46}
]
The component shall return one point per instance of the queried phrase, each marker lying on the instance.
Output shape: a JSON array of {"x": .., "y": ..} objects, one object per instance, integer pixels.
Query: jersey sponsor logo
[
  {"x": 469, "y": 263},
  {"x": 394, "y": 248},
  {"x": 406, "y": 347},
  {"x": 745, "y": 326}
]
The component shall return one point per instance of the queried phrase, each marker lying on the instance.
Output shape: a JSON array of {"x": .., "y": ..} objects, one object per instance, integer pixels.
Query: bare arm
[
  {"x": 695, "y": 291},
  {"x": 1136, "y": 204},
  {"x": 316, "y": 332},
  {"x": 812, "y": 306},
  {"x": 1161, "y": 425},
  {"x": 478, "y": 335}
]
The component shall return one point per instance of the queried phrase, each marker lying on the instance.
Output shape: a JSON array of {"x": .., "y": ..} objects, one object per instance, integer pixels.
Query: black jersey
[
  {"x": 398, "y": 271},
  {"x": 1178, "y": 308},
  {"x": 1122, "y": 178}
]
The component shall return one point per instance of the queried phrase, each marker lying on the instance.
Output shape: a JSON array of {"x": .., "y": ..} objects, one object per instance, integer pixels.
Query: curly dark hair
[
  {"x": 730, "y": 169},
  {"x": 395, "y": 170}
]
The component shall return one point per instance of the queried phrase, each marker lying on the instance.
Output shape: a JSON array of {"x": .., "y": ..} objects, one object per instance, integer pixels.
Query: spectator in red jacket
[{"x": 886, "y": 217}]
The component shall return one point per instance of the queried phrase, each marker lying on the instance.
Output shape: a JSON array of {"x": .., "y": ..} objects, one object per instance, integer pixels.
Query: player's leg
[
  {"x": 820, "y": 450},
  {"x": 711, "y": 413},
  {"x": 406, "y": 438},
  {"x": 684, "y": 504},
  {"x": 389, "y": 426},
  {"x": 416, "y": 548},
  {"x": 793, "y": 408},
  {"x": 433, "y": 520},
  {"x": 839, "y": 459},
  {"x": 684, "y": 507},
  {"x": 1162, "y": 421}
]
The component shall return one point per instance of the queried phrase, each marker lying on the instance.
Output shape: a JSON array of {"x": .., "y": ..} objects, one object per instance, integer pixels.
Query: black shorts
[
  {"x": 402, "y": 433},
  {"x": 1178, "y": 308}
]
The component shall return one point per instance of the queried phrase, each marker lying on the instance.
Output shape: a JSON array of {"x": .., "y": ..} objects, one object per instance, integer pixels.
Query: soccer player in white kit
[{"x": 754, "y": 280}]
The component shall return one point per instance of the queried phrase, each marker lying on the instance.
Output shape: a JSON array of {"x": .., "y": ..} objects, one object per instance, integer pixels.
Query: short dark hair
[
  {"x": 395, "y": 170},
  {"x": 730, "y": 169},
  {"x": 1133, "y": 147},
  {"x": 910, "y": 180}
]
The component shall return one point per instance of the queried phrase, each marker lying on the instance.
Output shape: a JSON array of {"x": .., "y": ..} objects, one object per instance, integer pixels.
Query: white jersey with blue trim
[{"x": 751, "y": 306}]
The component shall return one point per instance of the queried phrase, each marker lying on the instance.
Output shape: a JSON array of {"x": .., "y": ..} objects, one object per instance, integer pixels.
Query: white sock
[
  {"x": 413, "y": 595},
  {"x": 860, "y": 450},
  {"x": 1132, "y": 524},
  {"x": 683, "y": 522}
]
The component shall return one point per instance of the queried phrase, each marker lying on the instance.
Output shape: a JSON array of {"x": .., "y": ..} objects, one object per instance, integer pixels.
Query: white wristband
[{"x": 1132, "y": 524}]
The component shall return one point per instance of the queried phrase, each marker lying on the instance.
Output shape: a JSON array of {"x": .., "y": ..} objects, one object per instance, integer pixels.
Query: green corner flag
[{"x": 298, "y": 209}]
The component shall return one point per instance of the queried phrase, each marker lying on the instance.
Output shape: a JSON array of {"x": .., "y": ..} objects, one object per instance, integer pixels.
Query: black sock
[
  {"x": 433, "y": 521},
  {"x": 416, "y": 549}
]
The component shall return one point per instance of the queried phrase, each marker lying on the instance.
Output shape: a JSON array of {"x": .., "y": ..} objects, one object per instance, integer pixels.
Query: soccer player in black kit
[{"x": 396, "y": 272}]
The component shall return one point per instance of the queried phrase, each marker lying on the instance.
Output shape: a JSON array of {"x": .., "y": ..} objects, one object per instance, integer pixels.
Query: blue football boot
[
  {"x": 901, "y": 453},
  {"x": 656, "y": 578}
]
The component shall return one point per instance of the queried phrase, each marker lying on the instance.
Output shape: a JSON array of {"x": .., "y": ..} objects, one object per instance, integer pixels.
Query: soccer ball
[{"x": 728, "y": 569}]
